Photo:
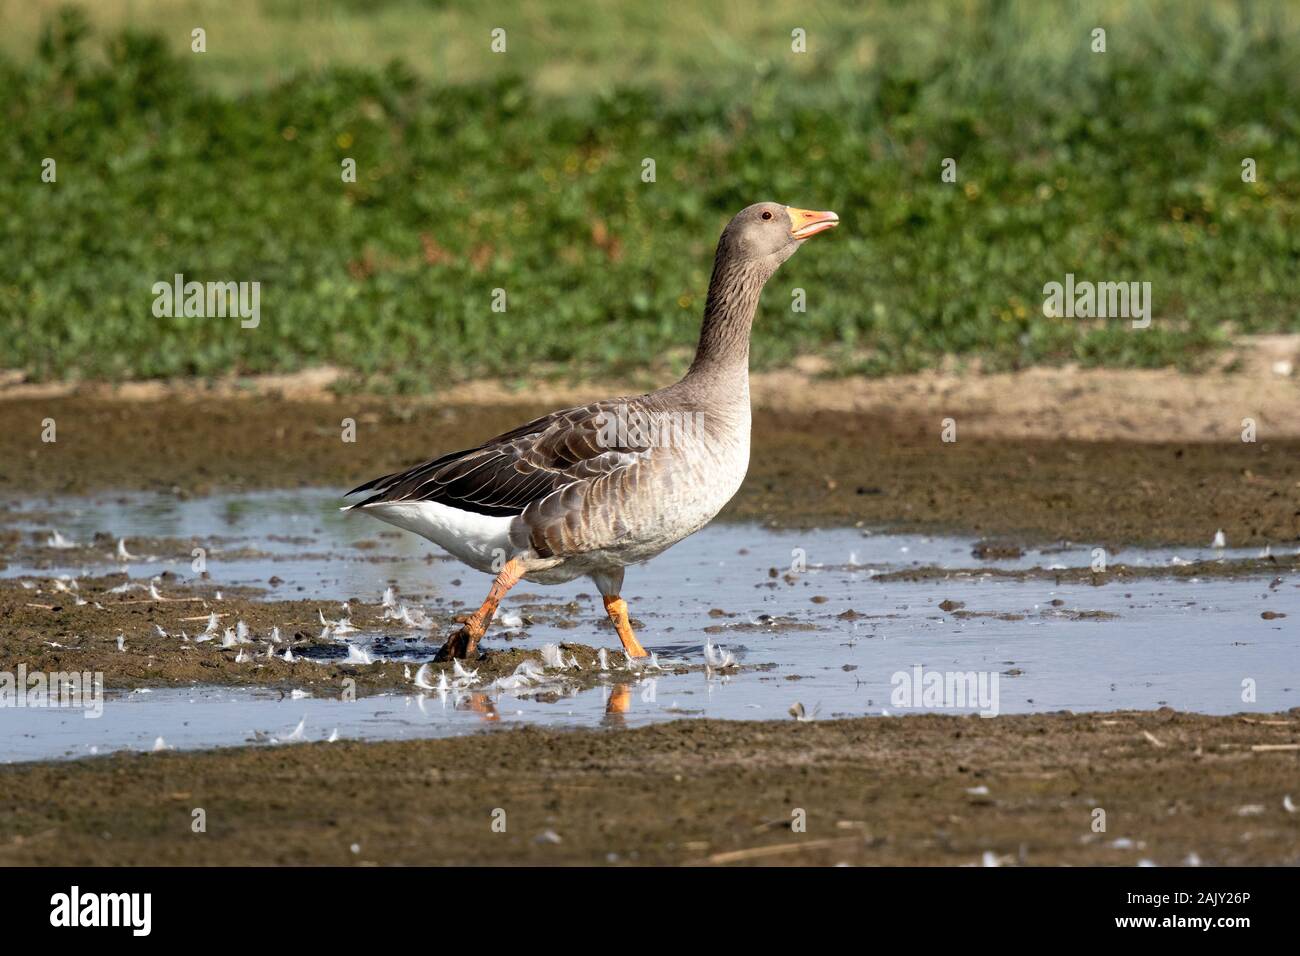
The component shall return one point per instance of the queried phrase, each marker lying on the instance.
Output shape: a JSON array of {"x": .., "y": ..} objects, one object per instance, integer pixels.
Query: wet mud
[
  {"x": 201, "y": 634},
  {"x": 1173, "y": 788},
  {"x": 1019, "y": 789},
  {"x": 806, "y": 469}
]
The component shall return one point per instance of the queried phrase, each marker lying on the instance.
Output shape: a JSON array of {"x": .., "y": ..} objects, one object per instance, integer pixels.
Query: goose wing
[{"x": 506, "y": 474}]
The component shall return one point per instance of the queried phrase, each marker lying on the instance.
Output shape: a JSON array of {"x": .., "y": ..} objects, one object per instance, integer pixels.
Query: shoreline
[
  {"x": 888, "y": 472},
  {"x": 1173, "y": 788},
  {"x": 1258, "y": 379}
]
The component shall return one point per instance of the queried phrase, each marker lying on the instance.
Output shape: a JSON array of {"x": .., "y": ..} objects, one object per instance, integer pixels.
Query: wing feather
[{"x": 506, "y": 474}]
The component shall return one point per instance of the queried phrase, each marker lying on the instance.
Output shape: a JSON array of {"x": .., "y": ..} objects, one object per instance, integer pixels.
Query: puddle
[{"x": 836, "y": 639}]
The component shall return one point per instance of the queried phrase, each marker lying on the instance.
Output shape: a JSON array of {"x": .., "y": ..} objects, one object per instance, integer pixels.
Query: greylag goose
[{"x": 593, "y": 489}]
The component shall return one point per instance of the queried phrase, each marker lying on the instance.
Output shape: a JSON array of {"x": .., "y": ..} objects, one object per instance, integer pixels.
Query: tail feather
[
  {"x": 372, "y": 484},
  {"x": 377, "y": 485}
]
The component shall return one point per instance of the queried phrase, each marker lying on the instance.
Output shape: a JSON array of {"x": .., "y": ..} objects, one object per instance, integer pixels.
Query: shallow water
[{"x": 1187, "y": 644}]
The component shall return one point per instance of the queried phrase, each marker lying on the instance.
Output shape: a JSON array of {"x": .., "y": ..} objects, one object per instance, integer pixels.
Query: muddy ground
[
  {"x": 1175, "y": 789},
  {"x": 840, "y": 467},
  {"x": 167, "y": 641}
]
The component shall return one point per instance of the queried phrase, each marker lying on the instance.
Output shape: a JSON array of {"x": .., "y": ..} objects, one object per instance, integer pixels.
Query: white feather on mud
[
  {"x": 462, "y": 677},
  {"x": 553, "y": 656},
  {"x": 509, "y": 620},
  {"x": 527, "y": 674},
  {"x": 342, "y": 626},
  {"x": 396, "y": 611},
  {"x": 123, "y": 554},
  {"x": 59, "y": 542},
  {"x": 297, "y": 731},
  {"x": 415, "y": 618},
  {"x": 717, "y": 657},
  {"x": 798, "y": 712}
]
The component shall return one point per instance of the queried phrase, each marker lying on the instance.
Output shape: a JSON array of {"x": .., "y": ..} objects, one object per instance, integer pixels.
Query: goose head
[
  {"x": 768, "y": 233},
  {"x": 755, "y": 243}
]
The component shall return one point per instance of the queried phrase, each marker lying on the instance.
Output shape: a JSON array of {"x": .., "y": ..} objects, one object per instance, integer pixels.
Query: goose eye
[{"x": 767, "y": 215}]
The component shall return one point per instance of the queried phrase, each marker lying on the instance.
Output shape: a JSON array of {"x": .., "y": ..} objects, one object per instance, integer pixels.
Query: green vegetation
[{"x": 1122, "y": 166}]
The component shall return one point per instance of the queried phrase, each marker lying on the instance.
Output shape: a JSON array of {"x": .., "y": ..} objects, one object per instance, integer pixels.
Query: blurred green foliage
[{"x": 1122, "y": 166}]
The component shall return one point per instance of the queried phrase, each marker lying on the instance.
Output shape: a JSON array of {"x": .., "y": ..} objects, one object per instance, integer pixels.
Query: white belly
[{"x": 481, "y": 541}]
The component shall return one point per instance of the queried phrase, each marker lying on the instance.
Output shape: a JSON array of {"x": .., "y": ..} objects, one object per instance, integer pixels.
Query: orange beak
[{"x": 805, "y": 222}]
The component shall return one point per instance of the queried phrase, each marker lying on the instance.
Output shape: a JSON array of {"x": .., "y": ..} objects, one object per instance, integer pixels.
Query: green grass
[
  {"x": 1123, "y": 166},
  {"x": 570, "y": 48}
]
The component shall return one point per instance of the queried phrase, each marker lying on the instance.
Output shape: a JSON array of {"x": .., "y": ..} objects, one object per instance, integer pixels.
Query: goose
[{"x": 593, "y": 489}]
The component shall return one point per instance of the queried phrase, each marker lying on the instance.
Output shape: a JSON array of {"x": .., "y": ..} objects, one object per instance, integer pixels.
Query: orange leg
[
  {"x": 464, "y": 642},
  {"x": 617, "y": 609}
]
